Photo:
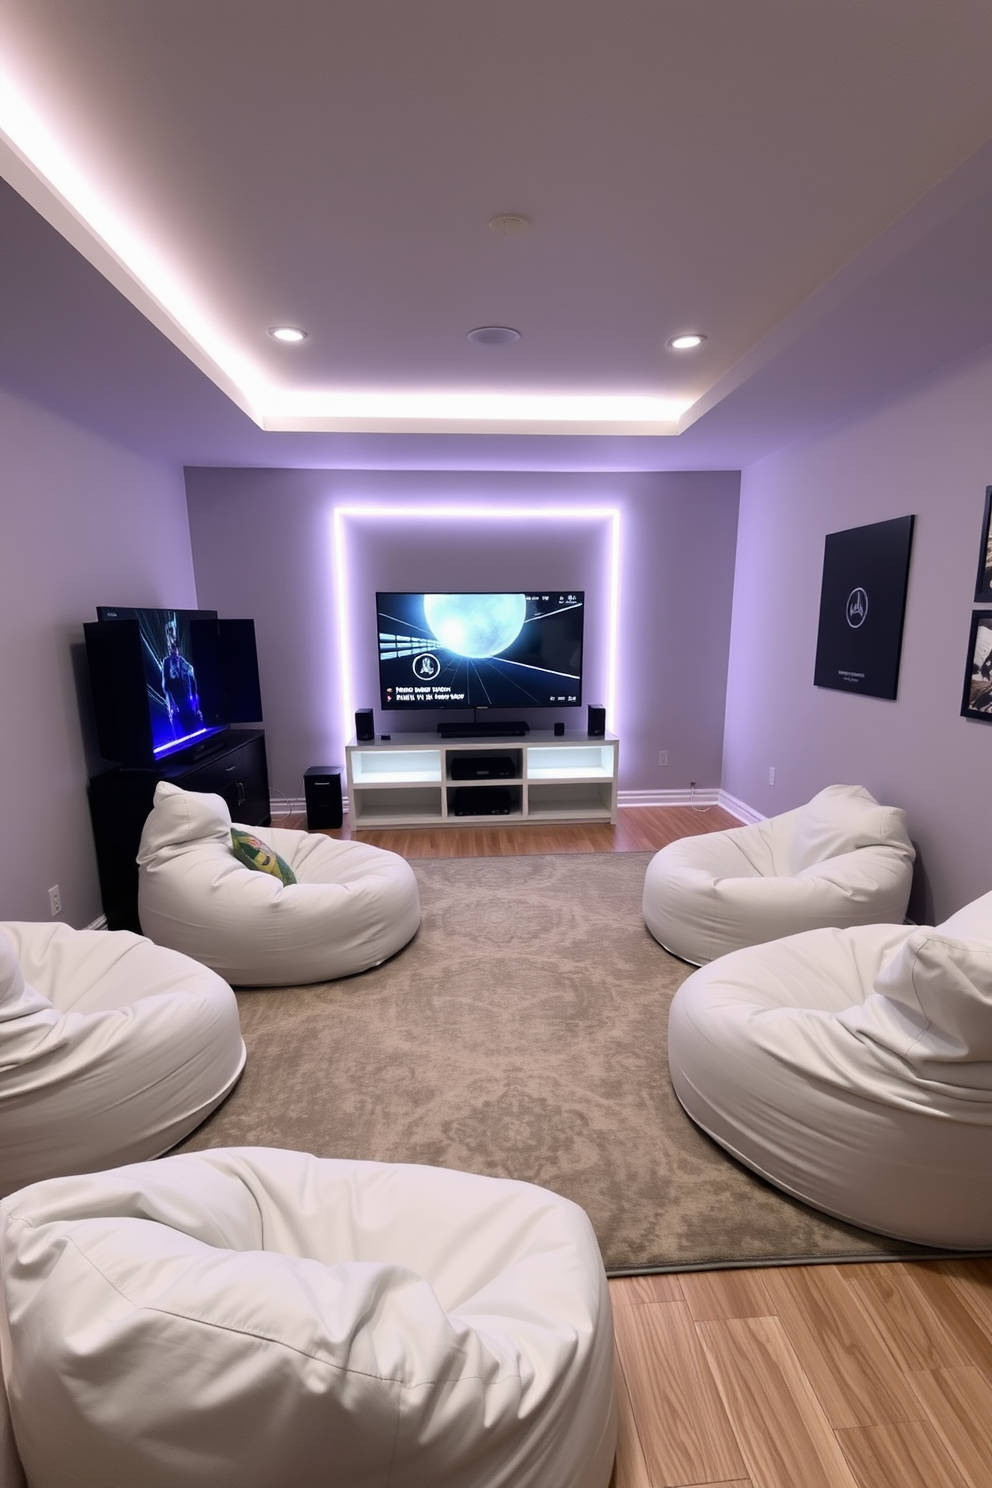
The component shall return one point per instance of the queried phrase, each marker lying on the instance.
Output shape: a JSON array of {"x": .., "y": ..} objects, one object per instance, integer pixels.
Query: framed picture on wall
[
  {"x": 862, "y": 607},
  {"x": 983, "y": 584},
  {"x": 977, "y": 699}
]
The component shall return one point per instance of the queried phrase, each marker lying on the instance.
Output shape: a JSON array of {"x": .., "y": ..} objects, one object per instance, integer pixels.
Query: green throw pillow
[{"x": 254, "y": 854}]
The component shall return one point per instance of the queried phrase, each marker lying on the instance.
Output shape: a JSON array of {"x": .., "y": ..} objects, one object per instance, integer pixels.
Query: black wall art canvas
[
  {"x": 983, "y": 584},
  {"x": 977, "y": 699},
  {"x": 862, "y": 605}
]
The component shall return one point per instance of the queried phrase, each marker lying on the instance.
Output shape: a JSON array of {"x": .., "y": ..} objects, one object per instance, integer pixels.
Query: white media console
[{"x": 420, "y": 780}]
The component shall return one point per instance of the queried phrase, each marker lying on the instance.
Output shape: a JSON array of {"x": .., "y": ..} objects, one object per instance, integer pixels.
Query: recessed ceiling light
[
  {"x": 509, "y": 222},
  {"x": 686, "y": 342},
  {"x": 287, "y": 333},
  {"x": 493, "y": 335}
]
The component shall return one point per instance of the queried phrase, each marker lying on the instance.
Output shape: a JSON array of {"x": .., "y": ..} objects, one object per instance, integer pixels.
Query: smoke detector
[{"x": 509, "y": 223}]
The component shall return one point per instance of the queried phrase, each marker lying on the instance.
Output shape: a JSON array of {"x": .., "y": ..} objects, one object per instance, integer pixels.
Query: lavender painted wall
[
  {"x": 929, "y": 454},
  {"x": 82, "y": 523},
  {"x": 261, "y": 546}
]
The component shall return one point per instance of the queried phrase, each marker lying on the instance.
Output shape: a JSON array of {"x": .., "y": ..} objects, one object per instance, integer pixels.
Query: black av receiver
[
  {"x": 484, "y": 800},
  {"x": 484, "y": 767}
]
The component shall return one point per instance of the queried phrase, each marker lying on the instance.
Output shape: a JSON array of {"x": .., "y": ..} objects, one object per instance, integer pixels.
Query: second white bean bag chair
[
  {"x": 842, "y": 859},
  {"x": 853, "y": 1068},
  {"x": 111, "y": 1049},
  {"x": 352, "y": 906},
  {"x": 11, "y": 1470},
  {"x": 253, "y": 1318}
]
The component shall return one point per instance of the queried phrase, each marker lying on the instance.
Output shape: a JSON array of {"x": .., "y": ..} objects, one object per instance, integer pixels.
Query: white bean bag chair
[
  {"x": 111, "y": 1049},
  {"x": 11, "y": 1470},
  {"x": 352, "y": 907},
  {"x": 842, "y": 859},
  {"x": 853, "y": 1068},
  {"x": 253, "y": 1318}
]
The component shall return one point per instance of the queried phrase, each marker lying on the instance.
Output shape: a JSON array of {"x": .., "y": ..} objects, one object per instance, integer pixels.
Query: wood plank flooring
[
  {"x": 637, "y": 829},
  {"x": 825, "y": 1377},
  {"x": 852, "y": 1376}
]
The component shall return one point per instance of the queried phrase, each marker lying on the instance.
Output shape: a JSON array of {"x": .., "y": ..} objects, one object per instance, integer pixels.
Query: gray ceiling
[{"x": 809, "y": 184}]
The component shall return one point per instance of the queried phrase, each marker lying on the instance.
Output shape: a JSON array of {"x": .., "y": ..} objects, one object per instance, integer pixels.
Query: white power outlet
[
  {"x": 663, "y": 756},
  {"x": 771, "y": 774},
  {"x": 55, "y": 899}
]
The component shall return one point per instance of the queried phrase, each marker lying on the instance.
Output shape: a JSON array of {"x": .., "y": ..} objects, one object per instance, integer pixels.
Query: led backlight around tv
[{"x": 480, "y": 650}]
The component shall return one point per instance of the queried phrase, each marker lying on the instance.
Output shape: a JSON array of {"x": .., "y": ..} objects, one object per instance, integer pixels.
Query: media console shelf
[{"x": 419, "y": 780}]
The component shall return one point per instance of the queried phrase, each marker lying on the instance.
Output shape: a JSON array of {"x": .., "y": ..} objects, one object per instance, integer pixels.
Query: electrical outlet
[
  {"x": 55, "y": 899},
  {"x": 692, "y": 785},
  {"x": 771, "y": 774},
  {"x": 663, "y": 756}
]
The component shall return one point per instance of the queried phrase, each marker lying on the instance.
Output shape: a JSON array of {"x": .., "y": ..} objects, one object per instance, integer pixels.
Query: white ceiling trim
[{"x": 38, "y": 166}]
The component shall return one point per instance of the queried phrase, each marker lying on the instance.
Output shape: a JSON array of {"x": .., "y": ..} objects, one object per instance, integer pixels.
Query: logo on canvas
[{"x": 857, "y": 608}]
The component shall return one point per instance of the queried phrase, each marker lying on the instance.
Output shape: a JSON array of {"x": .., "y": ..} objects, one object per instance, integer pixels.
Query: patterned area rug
[{"x": 523, "y": 1034}]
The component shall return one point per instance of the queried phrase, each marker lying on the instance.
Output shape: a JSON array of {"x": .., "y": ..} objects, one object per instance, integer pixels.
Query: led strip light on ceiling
[{"x": 37, "y": 163}]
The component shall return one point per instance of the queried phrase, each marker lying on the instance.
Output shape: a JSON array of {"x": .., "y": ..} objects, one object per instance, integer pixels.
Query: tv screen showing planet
[{"x": 480, "y": 650}]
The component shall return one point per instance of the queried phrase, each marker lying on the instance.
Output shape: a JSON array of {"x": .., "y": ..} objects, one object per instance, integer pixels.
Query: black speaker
[
  {"x": 559, "y": 730},
  {"x": 364, "y": 726},
  {"x": 597, "y": 721},
  {"x": 322, "y": 789}
]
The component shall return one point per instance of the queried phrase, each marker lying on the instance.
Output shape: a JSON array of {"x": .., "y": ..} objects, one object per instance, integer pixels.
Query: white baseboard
[
  {"x": 287, "y": 806},
  {"x": 708, "y": 796},
  {"x": 747, "y": 813},
  {"x": 711, "y": 795},
  {"x": 295, "y": 806}
]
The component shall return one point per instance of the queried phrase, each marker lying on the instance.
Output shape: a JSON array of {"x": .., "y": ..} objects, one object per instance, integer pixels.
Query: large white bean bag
[
  {"x": 11, "y": 1471},
  {"x": 842, "y": 859},
  {"x": 853, "y": 1068},
  {"x": 111, "y": 1049},
  {"x": 253, "y": 1318},
  {"x": 352, "y": 907}
]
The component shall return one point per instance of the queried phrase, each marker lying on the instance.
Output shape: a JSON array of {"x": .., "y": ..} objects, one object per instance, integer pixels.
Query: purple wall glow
[
  {"x": 554, "y": 546},
  {"x": 83, "y": 523},
  {"x": 929, "y": 454},
  {"x": 261, "y": 545}
]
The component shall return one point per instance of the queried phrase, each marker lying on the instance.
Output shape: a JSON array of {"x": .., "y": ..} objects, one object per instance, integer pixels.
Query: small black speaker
[
  {"x": 597, "y": 721},
  {"x": 559, "y": 730},
  {"x": 364, "y": 726},
  {"x": 322, "y": 789}
]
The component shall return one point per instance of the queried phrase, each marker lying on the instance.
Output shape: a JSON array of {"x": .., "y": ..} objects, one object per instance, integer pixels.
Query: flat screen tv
[
  {"x": 440, "y": 651},
  {"x": 157, "y": 677}
]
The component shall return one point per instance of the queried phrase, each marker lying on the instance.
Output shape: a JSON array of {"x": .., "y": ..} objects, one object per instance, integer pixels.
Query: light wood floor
[
  {"x": 853, "y": 1376},
  {"x": 638, "y": 829}
]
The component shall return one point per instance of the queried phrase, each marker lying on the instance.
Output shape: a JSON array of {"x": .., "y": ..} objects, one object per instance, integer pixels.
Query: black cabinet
[{"x": 120, "y": 801}]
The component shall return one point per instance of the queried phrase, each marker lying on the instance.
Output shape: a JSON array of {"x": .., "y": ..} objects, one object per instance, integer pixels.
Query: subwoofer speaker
[
  {"x": 597, "y": 721},
  {"x": 364, "y": 726},
  {"x": 322, "y": 789}
]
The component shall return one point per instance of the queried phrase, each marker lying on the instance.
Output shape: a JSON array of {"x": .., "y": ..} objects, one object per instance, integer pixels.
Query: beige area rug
[{"x": 523, "y": 1034}]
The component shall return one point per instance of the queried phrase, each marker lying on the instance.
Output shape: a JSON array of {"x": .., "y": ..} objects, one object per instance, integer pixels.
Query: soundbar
[{"x": 515, "y": 729}]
